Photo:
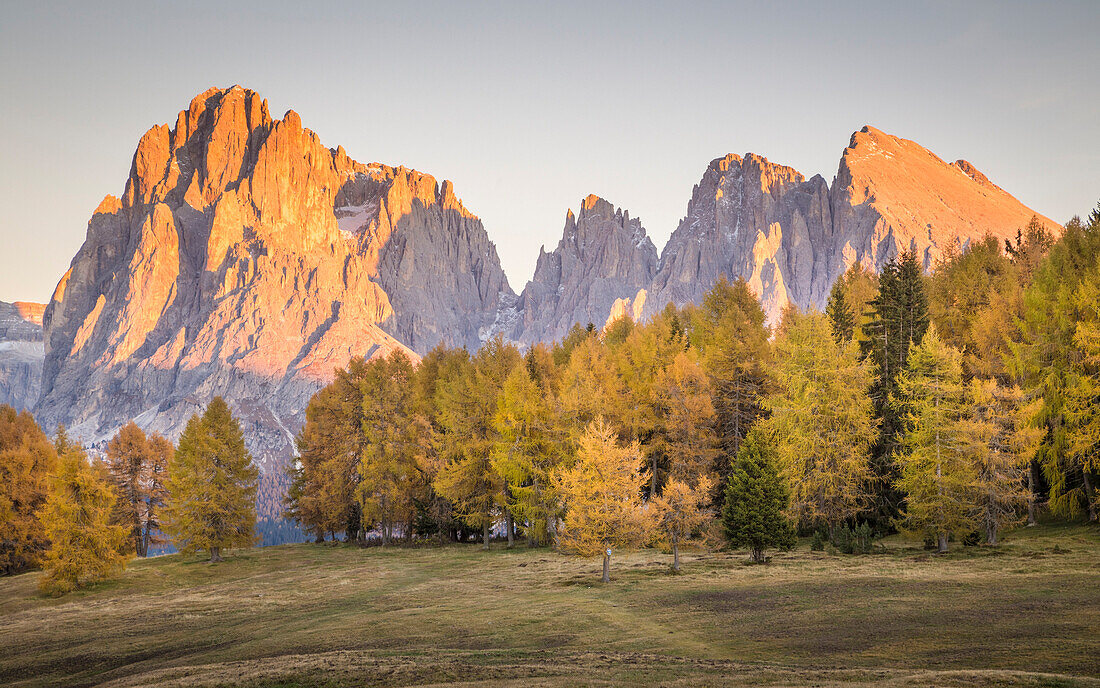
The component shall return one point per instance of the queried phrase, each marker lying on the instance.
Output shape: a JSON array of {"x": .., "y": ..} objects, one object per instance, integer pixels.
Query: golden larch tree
[
  {"x": 27, "y": 458},
  {"x": 679, "y": 510},
  {"x": 137, "y": 465},
  {"x": 84, "y": 545},
  {"x": 601, "y": 492},
  {"x": 211, "y": 485},
  {"x": 937, "y": 477},
  {"x": 823, "y": 420}
]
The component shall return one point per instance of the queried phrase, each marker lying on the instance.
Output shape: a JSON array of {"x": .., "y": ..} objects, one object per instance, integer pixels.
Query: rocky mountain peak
[
  {"x": 604, "y": 255},
  {"x": 790, "y": 237},
  {"x": 247, "y": 259}
]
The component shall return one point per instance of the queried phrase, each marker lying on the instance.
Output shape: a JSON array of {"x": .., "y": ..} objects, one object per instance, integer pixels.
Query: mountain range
[{"x": 246, "y": 259}]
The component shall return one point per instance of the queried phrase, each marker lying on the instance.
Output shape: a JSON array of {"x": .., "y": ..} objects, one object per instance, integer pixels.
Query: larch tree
[
  {"x": 137, "y": 465},
  {"x": 589, "y": 387},
  {"x": 532, "y": 444},
  {"x": 822, "y": 417},
  {"x": 997, "y": 437},
  {"x": 860, "y": 286},
  {"x": 160, "y": 455},
  {"x": 325, "y": 474},
  {"x": 468, "y": 403},
  {"x": 757, "y": 498},
  {"x": 395, "y": 439},
  {"x": 601, "y": 493},
  {"x": 679, "y": 510},
  {"x": 27, "y": 458},
  {"x": 729, "y": 330},
  {"x": 211, "y": 485},
  {"x": 1082, "y": 405},
  {"x": 685, "y": 404},
  {"x": 85, "y": 547},
  {"x": 937, "y": 476},
  {"x": 1050, "y": 363}
]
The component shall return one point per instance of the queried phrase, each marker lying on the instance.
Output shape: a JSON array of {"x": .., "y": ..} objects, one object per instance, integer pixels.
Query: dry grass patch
[{"x": 323, "y": 615}]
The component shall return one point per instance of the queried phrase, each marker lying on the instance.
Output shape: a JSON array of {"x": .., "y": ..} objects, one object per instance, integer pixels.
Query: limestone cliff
[
  {"x": 604, "y": 255},
  {"x": 750, "y": 218},
  {"x": 790, "y": 238},
  {"x": 20, "y": 353},
  {"x": 246, "y": 259}
]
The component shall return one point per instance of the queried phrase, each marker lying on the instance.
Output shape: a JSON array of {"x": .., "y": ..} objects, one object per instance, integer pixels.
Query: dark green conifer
[{"x": 757, "y": 498}]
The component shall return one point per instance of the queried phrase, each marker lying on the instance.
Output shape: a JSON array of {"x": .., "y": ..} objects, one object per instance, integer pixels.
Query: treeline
[
  {"x": 942, "y": 404},
  {"x": 81, "y": 518},
  {"x": 953, "y": 405}
]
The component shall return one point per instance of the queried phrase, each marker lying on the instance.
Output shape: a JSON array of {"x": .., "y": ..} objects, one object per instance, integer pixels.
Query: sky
[{"x": 529, "y": 107}]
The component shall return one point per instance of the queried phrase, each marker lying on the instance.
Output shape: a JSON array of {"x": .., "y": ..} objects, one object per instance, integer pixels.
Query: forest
[{"x": 955, "y": 405}]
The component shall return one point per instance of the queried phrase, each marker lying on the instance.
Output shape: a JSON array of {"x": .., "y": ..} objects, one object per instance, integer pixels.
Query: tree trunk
[
  {"x": 485, "y": 534},
  {"x": 1031, "y": 483},
  {"x": 530, "y": 532},
  {"x": 941, "y": 543},
  {"x": 607, "y": 566},
  {"x": 990, "y": 533},
  {"x": 215, "y": 554},
  {"x": 653, "y": 478},
  {"x": 758, "y": 555},
  {"x": 1090, "y": 495},
  {"x": 675, "y": 555},
  {"x": 510, "y": 523}
]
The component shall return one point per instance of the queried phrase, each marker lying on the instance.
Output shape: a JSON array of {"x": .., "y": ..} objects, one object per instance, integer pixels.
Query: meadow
[{"x": 1024, "y": 613}]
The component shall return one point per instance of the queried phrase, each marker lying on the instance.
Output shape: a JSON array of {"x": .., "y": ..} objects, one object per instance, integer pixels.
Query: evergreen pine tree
[
  {"x": 84, "y": 546},
  {"x": 841, "y": 319},
  {"x": 757, "y": 498},
  {"x": 211, "y": 485},
  {"x": 898, "y": 319}
]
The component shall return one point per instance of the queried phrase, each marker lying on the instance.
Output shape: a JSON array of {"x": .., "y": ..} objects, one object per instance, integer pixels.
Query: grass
[{"x": 1025, "y": 613}]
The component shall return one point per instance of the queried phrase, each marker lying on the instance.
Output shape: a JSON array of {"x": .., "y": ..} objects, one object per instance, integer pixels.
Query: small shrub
[
  {"x": 858, "y": 540},
  {"x": 818, "y": 543}
]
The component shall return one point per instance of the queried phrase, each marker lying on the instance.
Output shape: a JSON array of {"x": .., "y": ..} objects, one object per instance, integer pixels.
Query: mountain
[
  {"x": 245, "y": 259},
  {"x": 604, "y": 256},
  {"x": 750, "y": 218},
  {"x": 20, "y": 353},
  {"x": 790, "y": 238}
]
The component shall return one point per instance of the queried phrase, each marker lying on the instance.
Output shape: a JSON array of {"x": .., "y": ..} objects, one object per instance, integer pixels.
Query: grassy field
[{"x": 1026, "y": 613}]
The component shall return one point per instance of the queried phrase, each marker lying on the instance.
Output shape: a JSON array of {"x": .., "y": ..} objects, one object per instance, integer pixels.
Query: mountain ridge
[{"x": 244, "y": 258}]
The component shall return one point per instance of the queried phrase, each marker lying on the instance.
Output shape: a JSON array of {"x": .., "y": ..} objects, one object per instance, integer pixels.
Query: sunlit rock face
[
  {"x": 20, "y": 353},
  {"x": 891, "y": 194},
  {"x": 245, "y": 259},
  {"x": 790, "y": 238},
  {"x": 750, "y": 218},
  {"x": 604, "y": 256}
]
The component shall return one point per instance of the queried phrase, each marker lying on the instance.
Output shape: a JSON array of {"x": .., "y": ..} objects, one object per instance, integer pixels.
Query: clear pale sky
[{"x": 530, "y": 107}]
